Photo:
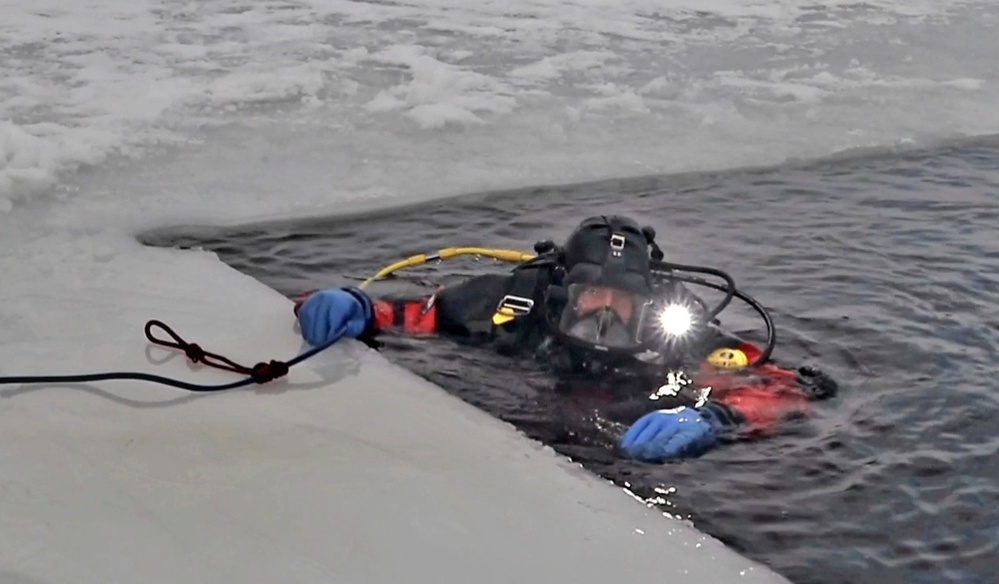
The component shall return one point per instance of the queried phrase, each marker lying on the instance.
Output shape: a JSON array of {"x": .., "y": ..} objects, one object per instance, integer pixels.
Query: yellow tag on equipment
[{"x": 728, "y": 359}]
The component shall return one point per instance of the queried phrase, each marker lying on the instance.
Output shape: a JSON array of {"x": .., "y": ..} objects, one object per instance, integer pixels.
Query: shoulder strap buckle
[{"x": 511, "y": 307}]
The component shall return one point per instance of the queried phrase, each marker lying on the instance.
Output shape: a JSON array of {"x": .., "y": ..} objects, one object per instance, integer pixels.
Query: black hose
[
  {"x": 771, "y": 333},
  {"x": 667, "y": 269}
]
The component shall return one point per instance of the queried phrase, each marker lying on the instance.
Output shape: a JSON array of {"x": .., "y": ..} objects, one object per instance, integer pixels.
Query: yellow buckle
[{"x": 511, "y": 307}]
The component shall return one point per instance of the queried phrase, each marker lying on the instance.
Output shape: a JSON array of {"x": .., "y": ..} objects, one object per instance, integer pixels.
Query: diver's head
[
  {"x": 603, "y": 300},
  {"x": 614, "y": 242}
]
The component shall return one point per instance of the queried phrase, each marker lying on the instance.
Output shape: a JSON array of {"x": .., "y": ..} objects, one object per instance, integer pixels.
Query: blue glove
[
  {"x": 665, "y": 435},
  {"x": 329, "y": 314}
]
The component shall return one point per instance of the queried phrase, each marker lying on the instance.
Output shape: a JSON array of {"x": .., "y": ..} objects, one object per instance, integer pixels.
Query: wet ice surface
[{"x": 882, "y": 271}]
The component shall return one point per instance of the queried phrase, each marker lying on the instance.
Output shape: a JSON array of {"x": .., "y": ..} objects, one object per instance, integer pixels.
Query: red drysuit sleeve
[{"x": 764, "y": 395}]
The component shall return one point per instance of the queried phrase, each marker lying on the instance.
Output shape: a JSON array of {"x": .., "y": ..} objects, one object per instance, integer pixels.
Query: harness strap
[{"x": 521, "y": 308}]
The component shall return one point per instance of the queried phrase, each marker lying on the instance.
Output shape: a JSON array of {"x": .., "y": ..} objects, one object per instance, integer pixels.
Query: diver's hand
[
  {"x": 816, "y": 383},
  {"x": 665, "y": 435},
  {"x": 336, "y": 311}
]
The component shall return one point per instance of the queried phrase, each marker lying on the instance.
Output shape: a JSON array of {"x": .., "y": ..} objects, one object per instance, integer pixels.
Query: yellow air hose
[{"x": 506, "y": 255}]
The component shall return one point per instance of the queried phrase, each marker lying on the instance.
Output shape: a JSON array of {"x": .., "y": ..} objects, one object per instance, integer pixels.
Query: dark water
[{"x": 882, "y": 271}]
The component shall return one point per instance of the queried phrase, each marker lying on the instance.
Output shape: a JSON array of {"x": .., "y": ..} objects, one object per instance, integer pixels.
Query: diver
[{"x": 604, "y": 307}]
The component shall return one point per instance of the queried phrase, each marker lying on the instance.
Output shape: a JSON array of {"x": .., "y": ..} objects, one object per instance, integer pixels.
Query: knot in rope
[
  {"x": 194, "y": 352},
  {"x": 264, "y": 372}
]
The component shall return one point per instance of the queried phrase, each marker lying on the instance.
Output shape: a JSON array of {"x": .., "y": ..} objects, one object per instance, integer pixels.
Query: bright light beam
[{"x": 676, "y": 320}]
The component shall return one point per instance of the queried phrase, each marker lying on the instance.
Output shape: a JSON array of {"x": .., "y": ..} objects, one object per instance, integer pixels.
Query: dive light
[{"x": 676, "y": 320}]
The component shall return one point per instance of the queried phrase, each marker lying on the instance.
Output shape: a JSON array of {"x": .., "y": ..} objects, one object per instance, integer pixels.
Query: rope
[{"x": 262, "y": 372}]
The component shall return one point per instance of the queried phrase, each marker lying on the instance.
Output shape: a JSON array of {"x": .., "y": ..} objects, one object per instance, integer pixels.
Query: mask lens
[
  {"x": 602, "y": 316},
  {"x": 597, "y": 298}
]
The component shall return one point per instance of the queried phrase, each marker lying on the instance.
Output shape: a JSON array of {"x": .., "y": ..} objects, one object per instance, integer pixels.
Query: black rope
[{"x": 260, "y": 373}]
